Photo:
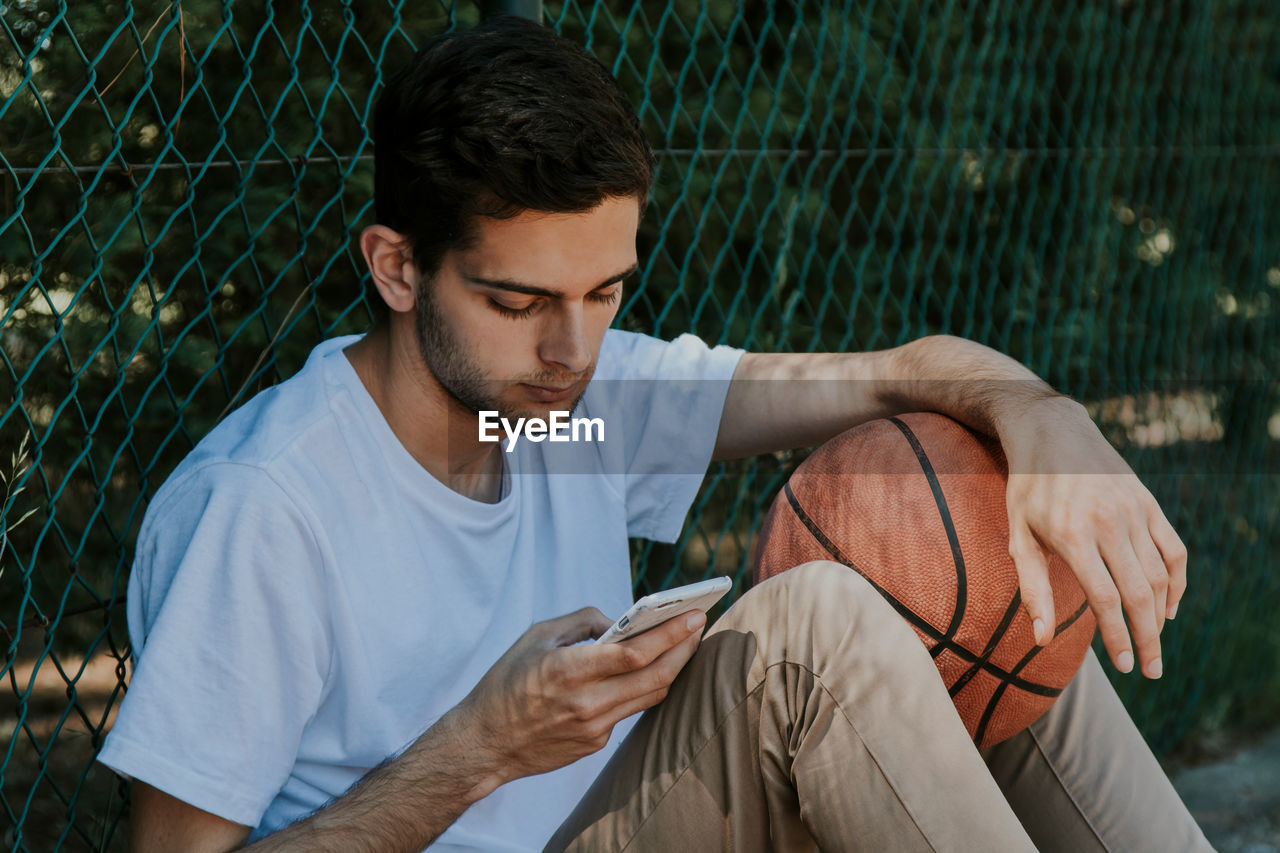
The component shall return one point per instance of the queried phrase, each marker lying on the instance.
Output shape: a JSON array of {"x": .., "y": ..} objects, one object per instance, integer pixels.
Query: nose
[{"x": 565, "y": 342}]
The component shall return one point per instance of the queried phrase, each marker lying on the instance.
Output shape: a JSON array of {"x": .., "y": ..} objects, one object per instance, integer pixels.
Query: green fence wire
[{"x": 1086, "y": 185}]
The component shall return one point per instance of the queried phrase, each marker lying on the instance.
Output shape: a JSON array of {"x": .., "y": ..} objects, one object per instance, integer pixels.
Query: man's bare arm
[
  {"x": 161, "y": 822},
  {"x": 546, "y": 703},
  {"x": 402, "y": 805},
  {"x": 1069, "y": 491},
  {"x": 780, "y": 401}
]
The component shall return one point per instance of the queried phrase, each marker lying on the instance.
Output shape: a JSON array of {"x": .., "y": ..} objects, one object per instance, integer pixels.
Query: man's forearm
[
  {"x": 403, "y": 805},
  {"x": 971, "y": 383},
  {"x": 787, "y": 400}
]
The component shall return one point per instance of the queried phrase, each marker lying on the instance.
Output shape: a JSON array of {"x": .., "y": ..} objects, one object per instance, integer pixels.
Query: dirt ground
[{"x": 1236, "y": 798}]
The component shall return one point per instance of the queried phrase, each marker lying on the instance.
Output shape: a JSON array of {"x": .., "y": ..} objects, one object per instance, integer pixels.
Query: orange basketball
[{"x": 916, "y": 505}]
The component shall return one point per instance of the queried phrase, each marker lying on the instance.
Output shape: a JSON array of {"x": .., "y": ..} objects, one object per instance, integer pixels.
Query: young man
[{"x": 358, "y": 626}]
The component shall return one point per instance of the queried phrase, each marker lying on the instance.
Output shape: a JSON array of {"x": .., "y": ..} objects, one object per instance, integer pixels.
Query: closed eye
[
  {"x": 514, "y": 313},
  {"x": 605, "y": 297},
  {"x": 600, "y": 297}
]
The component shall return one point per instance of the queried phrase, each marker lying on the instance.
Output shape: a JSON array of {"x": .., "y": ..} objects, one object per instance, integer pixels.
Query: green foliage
[{"x": 1081, "y": 184}]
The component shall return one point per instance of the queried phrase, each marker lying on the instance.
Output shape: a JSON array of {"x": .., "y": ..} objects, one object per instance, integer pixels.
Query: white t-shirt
[{"x": 306, "y": 599}]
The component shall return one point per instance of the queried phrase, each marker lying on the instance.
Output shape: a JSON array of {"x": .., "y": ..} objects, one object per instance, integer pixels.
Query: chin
[{"x": 526, "y": 408}]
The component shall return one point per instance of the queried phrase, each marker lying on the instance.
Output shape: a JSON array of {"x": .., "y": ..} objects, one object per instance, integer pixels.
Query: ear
[{"x": 386, "y": 251}]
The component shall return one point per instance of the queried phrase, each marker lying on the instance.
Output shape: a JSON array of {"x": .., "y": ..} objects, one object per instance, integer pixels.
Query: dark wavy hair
[{"x": 495, "y": 120}]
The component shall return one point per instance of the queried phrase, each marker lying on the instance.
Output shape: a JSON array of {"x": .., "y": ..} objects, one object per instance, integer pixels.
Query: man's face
[{"x": 514, "y": 324}]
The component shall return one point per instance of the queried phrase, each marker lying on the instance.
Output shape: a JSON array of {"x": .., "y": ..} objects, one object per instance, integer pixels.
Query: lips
[{"x": 550, "y": 393}]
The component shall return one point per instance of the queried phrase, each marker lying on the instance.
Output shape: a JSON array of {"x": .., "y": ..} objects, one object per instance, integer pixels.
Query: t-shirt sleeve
[
  {"x": 231, "y": 646},
  {"x": 669, "y": 397}
]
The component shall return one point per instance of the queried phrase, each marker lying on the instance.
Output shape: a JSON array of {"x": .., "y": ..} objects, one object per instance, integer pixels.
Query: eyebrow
[{"x": 531, "y": 290}]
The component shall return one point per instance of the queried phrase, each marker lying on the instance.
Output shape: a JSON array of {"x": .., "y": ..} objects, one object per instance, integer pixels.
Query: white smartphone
[{"x": 653, "y": 610}]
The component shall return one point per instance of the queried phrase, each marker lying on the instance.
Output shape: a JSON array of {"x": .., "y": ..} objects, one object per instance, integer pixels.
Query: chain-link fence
[{"x": 1083, "y": 185}]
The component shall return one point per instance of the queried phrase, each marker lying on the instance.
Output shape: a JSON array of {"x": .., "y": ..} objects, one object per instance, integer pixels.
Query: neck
[{"x": 437, "y": 430}]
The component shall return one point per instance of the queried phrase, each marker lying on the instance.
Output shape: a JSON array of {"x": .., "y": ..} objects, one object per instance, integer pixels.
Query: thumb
[
  {"x": 585, "y": 624},
  {"x": 1033, "y": 581}
]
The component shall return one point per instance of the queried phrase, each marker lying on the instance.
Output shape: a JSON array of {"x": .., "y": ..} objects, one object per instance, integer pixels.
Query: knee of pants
[{"x": 828, "y": 603}]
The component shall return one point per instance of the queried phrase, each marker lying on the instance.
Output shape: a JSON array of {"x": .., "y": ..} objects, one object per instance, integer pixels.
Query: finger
[
  {"x": 601, "y": 704},
  {"x": 1139, "y": 604},
  {"x": 1174, "y": 554},
  {"x": 595, "y": 732},
  {"x": 1104, "y": 600},
  {"x": 1156, "y": 572},
  {"x": 584, "y": 624},
  {"x": 638, "y": 704},
  {"x": 610, "y": 659},
  {"x": 1033, "y": 581},
  {"x": 655, "y": 677}
]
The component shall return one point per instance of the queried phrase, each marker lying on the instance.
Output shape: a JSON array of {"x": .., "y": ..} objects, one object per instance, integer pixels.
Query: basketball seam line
[
  {"x": 1027, "y": 658},
  {"x": 907, "y": 613},
  {"x": 957, "y": 555},
  {"x": 940, "y": 500},
  {"x": 997, "y": 693},
  {"x": 990, "y": 648}
]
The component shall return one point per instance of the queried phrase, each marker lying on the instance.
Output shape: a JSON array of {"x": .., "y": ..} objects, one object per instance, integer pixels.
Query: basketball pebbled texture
[{"x": 916, "y": 504}]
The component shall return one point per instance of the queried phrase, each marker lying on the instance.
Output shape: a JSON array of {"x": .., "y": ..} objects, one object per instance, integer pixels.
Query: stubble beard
[{"x": 458, "y": 374}]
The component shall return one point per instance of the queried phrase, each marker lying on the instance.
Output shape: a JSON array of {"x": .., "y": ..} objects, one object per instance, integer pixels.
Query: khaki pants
[{"x": 812, "y": 717}]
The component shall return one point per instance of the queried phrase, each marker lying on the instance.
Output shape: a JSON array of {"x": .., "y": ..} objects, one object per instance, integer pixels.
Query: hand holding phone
[{"x": 653, "y": 610}]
